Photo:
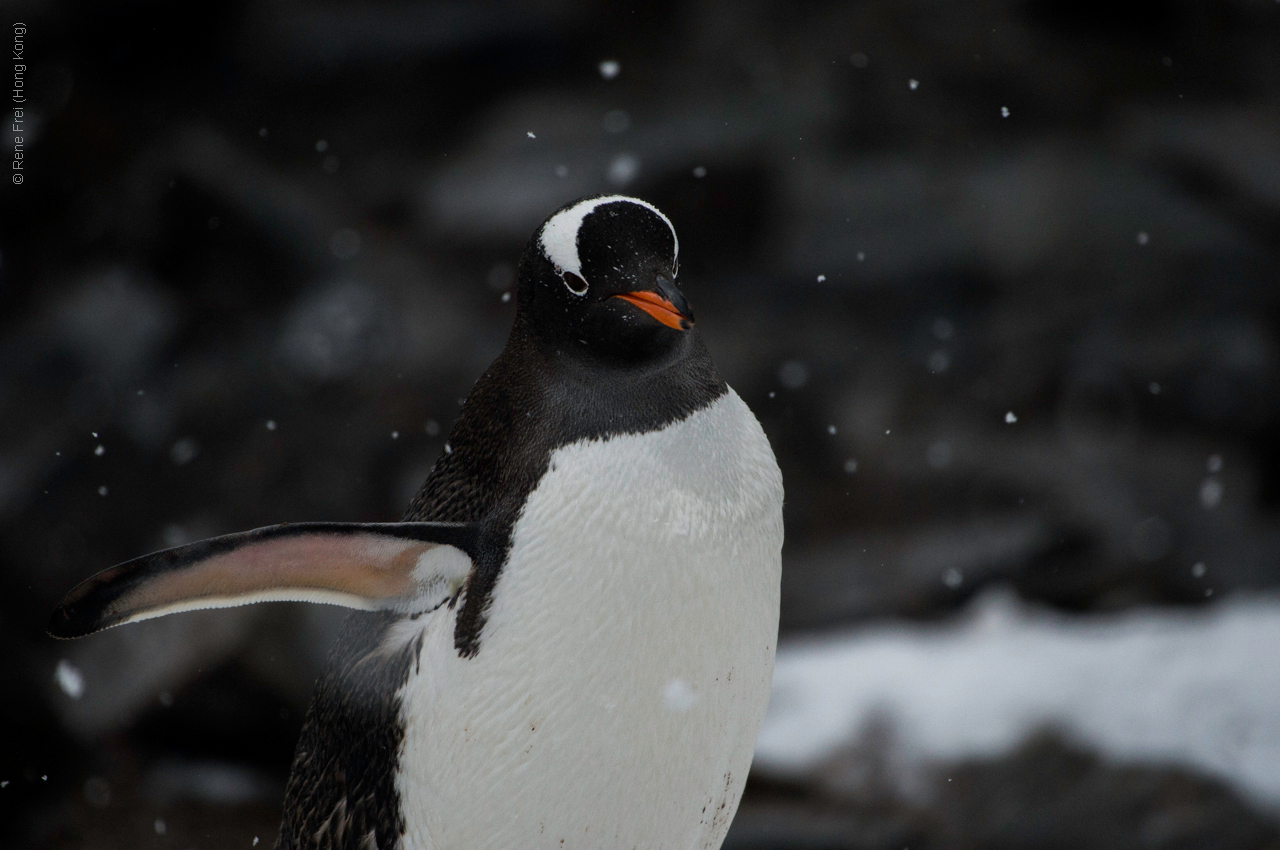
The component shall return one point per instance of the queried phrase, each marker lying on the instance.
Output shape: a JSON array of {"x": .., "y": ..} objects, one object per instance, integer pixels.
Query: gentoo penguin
[{"x": 568, "y": 641}]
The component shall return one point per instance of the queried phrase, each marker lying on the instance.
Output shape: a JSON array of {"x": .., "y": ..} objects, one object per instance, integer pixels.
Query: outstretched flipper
[{"x": 408, "y": 566}]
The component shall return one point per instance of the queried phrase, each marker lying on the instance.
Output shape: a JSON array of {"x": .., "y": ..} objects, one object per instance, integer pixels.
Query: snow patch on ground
[{"x": 1200, "y": 689}]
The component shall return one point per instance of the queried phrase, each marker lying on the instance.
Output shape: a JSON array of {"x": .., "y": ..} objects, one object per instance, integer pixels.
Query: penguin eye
[{"x": 576, "y": 285}]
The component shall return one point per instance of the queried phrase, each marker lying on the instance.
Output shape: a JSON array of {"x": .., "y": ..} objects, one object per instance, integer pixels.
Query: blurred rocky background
[{"x": 1000, "y": 279}]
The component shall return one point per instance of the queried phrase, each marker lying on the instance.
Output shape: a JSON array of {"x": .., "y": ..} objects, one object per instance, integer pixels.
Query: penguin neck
[{"x": 594, "y": 398}]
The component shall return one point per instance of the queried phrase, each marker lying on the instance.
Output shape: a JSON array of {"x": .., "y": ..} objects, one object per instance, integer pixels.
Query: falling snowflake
[
  {"x": 793, "y": 374},
  {"x": 69, "y": 679},
  {"x": 938, "y": 455},
  {"x": 623, "y": 169},
  {"x": 679, "y": 695},
  {"x": 1210, "y": 493}
]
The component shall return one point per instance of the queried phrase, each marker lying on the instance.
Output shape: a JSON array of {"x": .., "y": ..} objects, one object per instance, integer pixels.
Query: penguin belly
[{"x": 625, "y": 664}]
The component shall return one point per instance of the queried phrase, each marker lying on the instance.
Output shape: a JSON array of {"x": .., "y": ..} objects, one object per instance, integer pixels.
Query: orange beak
[{"x": 658, "y": 307}]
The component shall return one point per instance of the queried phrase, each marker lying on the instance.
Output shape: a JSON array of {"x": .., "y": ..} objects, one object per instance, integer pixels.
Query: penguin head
[{"x": 599, "y": 277}]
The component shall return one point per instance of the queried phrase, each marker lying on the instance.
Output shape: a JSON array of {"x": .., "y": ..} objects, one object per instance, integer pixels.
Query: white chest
[{"x": 625, "y": 665}]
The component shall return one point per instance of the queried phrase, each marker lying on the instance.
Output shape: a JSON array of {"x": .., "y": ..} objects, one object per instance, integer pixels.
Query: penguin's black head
[{"x": 599, "y": 276}]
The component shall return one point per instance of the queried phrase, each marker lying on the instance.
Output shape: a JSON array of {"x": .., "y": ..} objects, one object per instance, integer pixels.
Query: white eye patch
[{"x": 559, "y": 237}]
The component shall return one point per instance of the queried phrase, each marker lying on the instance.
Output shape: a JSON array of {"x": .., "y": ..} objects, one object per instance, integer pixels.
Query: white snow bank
[{"x": 1199, "y": 689}]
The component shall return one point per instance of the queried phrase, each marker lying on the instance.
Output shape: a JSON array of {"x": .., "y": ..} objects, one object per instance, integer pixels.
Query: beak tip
[{"x": 660, "y": 308}]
